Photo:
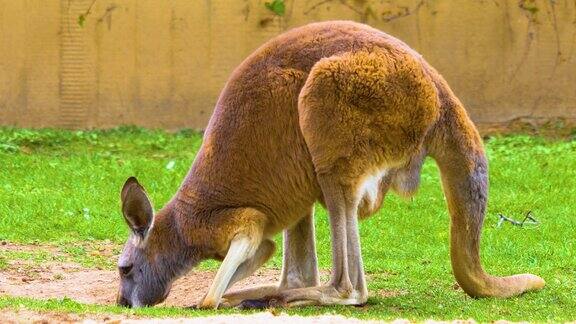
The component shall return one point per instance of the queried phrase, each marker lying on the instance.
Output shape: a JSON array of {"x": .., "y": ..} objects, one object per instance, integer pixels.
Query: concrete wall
[{"x": 163, "y": 63}]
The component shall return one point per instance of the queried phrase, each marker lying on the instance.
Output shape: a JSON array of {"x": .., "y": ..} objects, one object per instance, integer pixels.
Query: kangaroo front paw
[{"x": 208, "y": 304}]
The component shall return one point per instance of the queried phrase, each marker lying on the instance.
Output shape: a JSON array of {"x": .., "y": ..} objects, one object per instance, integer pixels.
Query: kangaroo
[{"x": 333, "y": 112}]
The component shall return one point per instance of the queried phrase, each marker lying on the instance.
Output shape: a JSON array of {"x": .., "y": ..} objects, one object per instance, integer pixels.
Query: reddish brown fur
[
  {"x": 336, "y": 100},
  {"x": 254, "y": 153}
]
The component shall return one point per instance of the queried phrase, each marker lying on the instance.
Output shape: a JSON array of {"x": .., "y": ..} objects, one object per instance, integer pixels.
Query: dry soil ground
[
  {"x": 50, "y": 279},
  {"x": 99, "y": 286}
]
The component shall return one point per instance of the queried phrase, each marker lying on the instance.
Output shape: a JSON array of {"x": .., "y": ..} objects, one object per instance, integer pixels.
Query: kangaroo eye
[{"x": 125, "y": 270}]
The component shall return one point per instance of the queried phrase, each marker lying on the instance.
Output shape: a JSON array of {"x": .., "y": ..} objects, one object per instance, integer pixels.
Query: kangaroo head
[{"x": 152, "y": 257}]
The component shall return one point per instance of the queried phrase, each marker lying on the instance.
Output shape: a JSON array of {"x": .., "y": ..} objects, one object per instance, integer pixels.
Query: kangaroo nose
[{"x": 121, "y": 301}]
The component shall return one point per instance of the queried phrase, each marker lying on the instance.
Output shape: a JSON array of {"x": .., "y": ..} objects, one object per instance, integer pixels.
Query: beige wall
[{"x": 163, "y": 63}]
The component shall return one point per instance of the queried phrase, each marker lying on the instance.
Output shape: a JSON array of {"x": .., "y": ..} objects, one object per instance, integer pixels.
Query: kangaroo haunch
[{"x": 336, "y": 112}]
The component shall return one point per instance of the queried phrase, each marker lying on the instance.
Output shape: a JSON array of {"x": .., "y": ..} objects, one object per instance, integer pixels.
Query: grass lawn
[{"x": 62, "y": 188}]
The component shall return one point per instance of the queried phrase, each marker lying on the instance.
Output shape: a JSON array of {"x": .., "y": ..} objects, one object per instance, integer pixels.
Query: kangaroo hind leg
[
  {"x": 360, "y": 114},
  {"x": 347, "y": 284},
  {"x": 300, "y": 263}
]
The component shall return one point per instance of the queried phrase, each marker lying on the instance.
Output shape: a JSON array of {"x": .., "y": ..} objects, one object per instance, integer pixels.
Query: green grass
[{"x": 62, "y": 188}]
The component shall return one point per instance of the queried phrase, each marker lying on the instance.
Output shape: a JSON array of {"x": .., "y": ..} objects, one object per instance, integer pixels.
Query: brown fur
[{"x": 309, "y": 117}]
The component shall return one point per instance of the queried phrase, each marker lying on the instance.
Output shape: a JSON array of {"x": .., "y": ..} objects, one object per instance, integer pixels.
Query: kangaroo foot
[{"x": 323, "y": 295}]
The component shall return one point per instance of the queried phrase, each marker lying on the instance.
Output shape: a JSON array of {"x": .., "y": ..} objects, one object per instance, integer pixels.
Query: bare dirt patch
[
  {"x": 60, "y": 277},
  {"x": 45, "y": 279},
  {"x": 27, "y": 316},
  {"x": 8, "y": 246},
  {"x": 100, "y": 286}
]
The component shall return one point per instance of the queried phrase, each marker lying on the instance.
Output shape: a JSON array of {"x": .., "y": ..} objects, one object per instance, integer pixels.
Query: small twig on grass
[{"x": 528, "y": 219}]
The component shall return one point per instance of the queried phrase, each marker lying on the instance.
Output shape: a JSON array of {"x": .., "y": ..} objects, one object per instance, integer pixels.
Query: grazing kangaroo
[{"x": 336, "y": 112}]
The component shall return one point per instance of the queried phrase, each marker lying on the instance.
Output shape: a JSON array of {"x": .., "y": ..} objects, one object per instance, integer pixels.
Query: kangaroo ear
[{"x": 136, "y": 207}]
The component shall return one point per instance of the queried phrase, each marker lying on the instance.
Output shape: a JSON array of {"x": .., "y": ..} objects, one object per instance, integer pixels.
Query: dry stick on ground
[{"x": 528, "y": 219}]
